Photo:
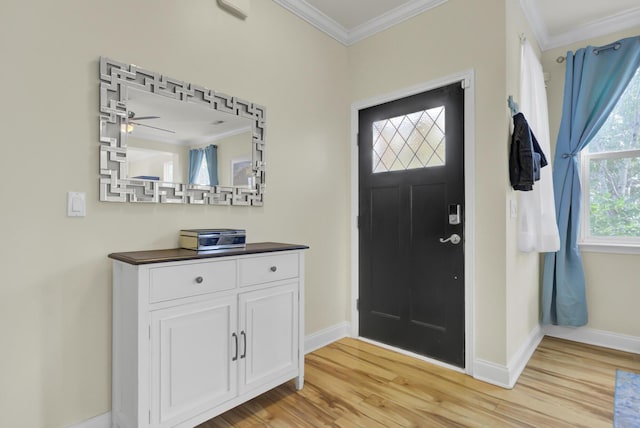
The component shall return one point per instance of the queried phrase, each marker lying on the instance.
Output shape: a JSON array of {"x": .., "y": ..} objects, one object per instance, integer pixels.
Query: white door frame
[{"x": 467, "y": 79}]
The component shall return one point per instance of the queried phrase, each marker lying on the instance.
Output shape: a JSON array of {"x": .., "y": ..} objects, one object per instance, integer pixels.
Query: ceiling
[{"x": 554, "y": 22}]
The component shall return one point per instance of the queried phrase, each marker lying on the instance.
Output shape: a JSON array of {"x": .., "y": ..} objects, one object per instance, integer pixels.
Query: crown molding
[
  {"x": 391, "y": 18},
  {"x": 601, "y": 27},
  {"x": 348, "y": 37},
  {"x": 598, "y": 28},
  {"x": 313, "y": 16}
]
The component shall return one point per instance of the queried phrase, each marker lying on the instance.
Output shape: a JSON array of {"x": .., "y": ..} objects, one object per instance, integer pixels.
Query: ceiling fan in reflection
[{"x": 133, "y": 122}]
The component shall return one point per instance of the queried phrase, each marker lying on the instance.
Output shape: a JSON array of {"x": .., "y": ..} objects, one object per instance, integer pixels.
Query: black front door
[{"x": 411, "y": 197}]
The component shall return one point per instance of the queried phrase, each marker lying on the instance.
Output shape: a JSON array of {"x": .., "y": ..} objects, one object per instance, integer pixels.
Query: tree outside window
[{"x": 611, "y": 175}]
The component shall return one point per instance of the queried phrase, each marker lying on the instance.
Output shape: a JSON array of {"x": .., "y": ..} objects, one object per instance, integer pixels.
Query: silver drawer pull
[
  {"x": 273, "y": 268},
  {"x": 199, "y": 280}
]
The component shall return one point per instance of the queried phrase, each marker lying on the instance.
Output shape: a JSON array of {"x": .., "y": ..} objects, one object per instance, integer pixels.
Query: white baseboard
[
  {"x": 492, "y": 373},
  {"x": 507, "y": 376},
  {"x": 606, "y": 339},
  {"x": 101, "y": 421},
  {"x": 324, "y": 337},
  {"x": 521, "y": 358}
]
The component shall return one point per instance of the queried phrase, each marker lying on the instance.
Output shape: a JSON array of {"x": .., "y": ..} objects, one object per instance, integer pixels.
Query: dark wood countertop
[{"x": 180, "y": 254}]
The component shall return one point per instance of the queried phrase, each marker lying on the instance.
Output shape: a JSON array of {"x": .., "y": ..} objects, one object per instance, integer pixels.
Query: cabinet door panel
[
  {"x": 268, "y": 324},
  {"x": 192, "y": 359}
]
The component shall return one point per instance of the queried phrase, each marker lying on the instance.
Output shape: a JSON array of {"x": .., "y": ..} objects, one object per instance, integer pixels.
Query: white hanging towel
[{"x": 537, "y": 227}]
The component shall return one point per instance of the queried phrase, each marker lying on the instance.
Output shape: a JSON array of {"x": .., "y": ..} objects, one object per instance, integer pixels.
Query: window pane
[
  {"x": 614, "y": 197},
  {"x": 416, "y": 140},
  {"x": 167, "y": 171},
  {"x": 621, "y": 131},
  {"x": 203, "y": 173}
]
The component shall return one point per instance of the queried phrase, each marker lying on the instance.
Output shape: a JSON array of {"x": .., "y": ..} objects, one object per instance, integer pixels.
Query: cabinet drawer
[
  {"x": 257, "y": 270},
  {"x": 172, "y": 282}
]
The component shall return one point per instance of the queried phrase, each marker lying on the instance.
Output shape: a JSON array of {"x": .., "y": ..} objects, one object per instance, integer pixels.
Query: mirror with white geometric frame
[{"x": 167, "y": 141}]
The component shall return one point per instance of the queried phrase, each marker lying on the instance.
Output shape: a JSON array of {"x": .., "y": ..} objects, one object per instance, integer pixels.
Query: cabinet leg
[{"x": 299, "y": 382}]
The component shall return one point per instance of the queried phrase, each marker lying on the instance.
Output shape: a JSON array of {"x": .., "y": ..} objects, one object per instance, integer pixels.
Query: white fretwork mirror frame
[{"x": 116, "y": 79}]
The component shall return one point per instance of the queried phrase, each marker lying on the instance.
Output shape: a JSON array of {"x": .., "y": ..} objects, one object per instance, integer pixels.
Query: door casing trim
[{"x": 467, "y": 78}]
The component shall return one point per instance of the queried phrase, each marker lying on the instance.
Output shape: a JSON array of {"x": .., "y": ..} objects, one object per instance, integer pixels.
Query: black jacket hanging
[{"x": 526, "y": 157}]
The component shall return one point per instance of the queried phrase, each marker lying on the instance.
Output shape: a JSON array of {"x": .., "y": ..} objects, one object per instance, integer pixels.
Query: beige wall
[
  {"x": 55, "y": 291},
  {"x": 611, "y": 279},
  {"x": 522, "y": 283}
]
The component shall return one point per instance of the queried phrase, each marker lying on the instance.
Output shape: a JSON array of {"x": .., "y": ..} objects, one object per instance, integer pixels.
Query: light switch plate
[{"x": 76, "y": 204}]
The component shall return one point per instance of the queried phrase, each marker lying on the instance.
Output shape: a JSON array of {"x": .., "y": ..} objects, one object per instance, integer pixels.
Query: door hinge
[
  {"x": 465, "y": 83},
  {"x": 357, "y": 304},
  {"x": 149, "y": 416},
  {"x": 149, "y": 331}
]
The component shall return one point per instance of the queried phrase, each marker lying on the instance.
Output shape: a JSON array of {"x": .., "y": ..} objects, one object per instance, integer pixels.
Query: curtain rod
[{"x": 615, "y": 46}]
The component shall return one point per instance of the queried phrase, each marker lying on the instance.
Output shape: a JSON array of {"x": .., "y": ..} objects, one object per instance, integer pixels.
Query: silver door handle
[{"x": 454, "y": 239}]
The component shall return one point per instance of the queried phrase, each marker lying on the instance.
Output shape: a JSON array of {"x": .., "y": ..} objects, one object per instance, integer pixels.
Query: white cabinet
[{"x": 193, "y": 338}]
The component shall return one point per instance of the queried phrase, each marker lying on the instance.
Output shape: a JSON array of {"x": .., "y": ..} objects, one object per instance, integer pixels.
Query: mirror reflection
[{"x": 181, "y": 142}]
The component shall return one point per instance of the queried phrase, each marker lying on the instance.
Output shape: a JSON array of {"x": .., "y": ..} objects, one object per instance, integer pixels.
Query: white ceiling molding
[
  {"x": 316, "y": 18},
  {"x": 391, "y": 18},
  {"x": 347, "y": 37},
  {"x": 601, "y": 27}
]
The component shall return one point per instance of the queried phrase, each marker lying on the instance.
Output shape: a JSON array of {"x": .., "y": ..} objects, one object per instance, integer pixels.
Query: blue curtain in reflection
[
  {"x": 195, "y": 162},
  {"x": 595, "y": 79},
  {"x": 211, "y": 152}
]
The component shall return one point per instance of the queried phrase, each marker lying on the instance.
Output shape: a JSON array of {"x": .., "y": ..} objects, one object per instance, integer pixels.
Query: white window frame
[{"x": 602, "y": 244}]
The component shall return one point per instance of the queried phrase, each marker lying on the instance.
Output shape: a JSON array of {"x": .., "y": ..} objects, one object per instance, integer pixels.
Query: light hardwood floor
[{"x": 351, "y": 383}]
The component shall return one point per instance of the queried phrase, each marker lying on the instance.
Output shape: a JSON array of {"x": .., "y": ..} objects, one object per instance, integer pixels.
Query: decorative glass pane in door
[{"x": 415, "y": 140}]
